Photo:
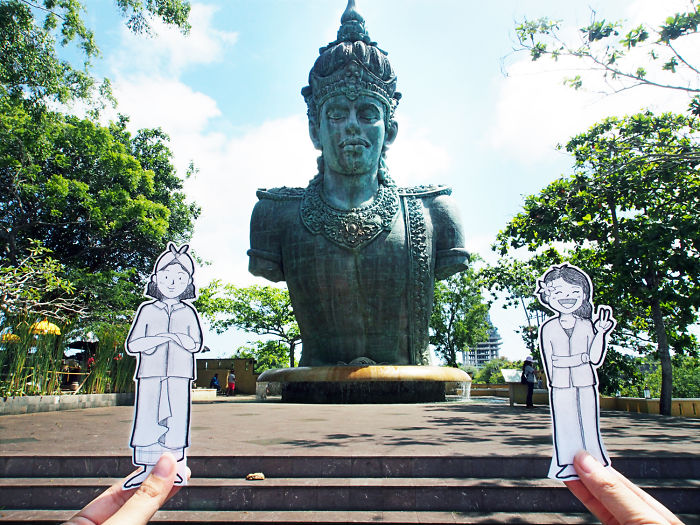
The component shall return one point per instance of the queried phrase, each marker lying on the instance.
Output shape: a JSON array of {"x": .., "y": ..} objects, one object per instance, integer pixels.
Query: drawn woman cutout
[
  {"x": 573, "y": 345},
  {"x": 164, "y": 336}
]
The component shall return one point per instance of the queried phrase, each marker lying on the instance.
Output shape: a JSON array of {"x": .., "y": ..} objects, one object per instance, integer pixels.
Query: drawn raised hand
[{"x": 604, "y": 322}]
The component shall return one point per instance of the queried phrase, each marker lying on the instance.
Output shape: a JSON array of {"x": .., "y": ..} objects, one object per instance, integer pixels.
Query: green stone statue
[{"x": 359, "y": 254}]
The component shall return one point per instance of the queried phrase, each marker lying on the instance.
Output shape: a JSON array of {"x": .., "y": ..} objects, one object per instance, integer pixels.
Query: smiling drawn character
[
  {"x": 573, "y": 343},
  {"x": 164, "y": 336}
]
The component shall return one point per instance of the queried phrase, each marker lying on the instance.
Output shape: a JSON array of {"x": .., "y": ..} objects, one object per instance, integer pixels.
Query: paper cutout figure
[
  {"x": 165, "y": 335},
  {"x": 573, "y": 343}
]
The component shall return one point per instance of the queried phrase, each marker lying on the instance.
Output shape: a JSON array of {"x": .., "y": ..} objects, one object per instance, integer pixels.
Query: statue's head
[{"x": 351, "y": 99}]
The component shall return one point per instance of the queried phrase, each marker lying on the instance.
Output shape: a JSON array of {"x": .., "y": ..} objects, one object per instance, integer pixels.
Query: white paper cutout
[
  {"x": 573, "y": 343},
  {"x": 165, "y": 336}
]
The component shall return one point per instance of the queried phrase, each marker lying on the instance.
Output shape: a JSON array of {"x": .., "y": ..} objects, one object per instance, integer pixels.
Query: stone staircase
[{"x": 337, "y": 489}]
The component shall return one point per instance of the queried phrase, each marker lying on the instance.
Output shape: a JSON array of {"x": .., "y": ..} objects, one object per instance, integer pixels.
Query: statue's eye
[
  {"x": 369, "y": 114},
  {"x": 337, "y": 114}
]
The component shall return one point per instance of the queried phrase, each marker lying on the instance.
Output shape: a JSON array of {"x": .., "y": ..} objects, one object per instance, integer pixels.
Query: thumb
[
  {"x": 152, "y": 493},
  {"x": 619, "y": 499}
]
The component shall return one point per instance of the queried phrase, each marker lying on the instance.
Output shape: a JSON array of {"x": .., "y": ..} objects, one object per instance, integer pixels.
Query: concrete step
[
  {"x": 344, "y": 494},
  {"x": 672, "y": 467},
  {"x": 321, "y": 517},
  {"x": 330, "y": 517}
]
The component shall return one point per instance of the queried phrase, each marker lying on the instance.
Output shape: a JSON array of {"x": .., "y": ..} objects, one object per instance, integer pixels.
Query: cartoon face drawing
[
  {"x": 172, "y": 281},
  {"x": 565, "y": 297}
]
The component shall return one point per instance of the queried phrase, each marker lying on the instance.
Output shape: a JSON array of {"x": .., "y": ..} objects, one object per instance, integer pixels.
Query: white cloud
[
  {"x": 169, "y": 50},
  {"x": 152, "y": 101},
  {"x": 536, "y": 111},
  {"x": 414, "y": 159},
  {"x": 278, "y": 153}
]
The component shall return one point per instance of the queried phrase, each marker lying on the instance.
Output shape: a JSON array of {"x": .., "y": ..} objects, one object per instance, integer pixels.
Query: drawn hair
[
  {"x": 571, "y": 275},
  {"x": 153, "y": 291}
]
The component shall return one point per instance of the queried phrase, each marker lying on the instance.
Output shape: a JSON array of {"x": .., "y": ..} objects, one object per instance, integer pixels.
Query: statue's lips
[{"x": 354, "y": 142}]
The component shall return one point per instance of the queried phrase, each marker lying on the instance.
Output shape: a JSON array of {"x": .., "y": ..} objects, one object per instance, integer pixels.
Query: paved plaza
[{"x": 242, "y": 426}]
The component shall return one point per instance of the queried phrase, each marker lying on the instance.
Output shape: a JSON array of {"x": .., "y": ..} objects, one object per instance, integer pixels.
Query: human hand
[
  {"x": 117, "y": 506},
  {"x": 614, "y": 499},
  {"x": 604, "y": 322}
]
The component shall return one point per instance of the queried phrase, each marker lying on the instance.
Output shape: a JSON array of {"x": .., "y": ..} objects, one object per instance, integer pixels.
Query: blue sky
[{"x": 474, "y": 115}]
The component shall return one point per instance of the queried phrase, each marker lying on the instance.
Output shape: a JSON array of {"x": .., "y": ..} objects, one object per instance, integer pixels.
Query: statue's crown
[{"x": 352, "y": 65}]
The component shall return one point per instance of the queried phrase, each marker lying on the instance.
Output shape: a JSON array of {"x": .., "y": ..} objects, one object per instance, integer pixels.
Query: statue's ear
[
  {"x": 391, "y": 132},
  {"x": 314, "y": 134}
]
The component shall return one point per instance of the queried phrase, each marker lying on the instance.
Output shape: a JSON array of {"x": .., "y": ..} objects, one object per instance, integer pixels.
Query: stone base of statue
[{"x": 364, "y": 384}]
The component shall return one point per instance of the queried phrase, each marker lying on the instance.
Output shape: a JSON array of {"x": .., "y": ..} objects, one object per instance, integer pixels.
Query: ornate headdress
[{"x": 352, "y": 65}]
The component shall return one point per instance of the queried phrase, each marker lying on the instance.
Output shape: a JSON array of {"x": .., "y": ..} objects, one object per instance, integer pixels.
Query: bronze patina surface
[{"x": 359, "y": 254}]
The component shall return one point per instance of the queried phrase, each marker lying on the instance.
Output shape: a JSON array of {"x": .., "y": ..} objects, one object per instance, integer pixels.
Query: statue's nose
[{"x": 352, "y": 124}]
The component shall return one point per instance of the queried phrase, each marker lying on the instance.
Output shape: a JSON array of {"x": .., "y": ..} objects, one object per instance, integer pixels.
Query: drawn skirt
[{"x": 161, "y": 423}]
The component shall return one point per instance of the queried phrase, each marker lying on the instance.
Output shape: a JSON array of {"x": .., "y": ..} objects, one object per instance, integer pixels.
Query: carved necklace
[{"x": 354, "y": 228}]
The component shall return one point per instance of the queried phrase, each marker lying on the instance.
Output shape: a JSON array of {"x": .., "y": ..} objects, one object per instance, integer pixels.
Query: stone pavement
[{"x": 242, "y": 426}]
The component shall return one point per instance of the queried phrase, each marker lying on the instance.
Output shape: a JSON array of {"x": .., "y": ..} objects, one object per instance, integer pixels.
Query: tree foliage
[
  {"x": 32, "y": 32},
  {"x": 267, "y": 354},
  {"x": 640, "y": 373},
  {"x": 626, "y": 56},
  {"x": 459, "y": 318},
  {"x": 491, "y": 371},
  {"x": 514, "y": 280},
  {"x": 261, "y": 310},
  {"x": 630, "y": 215},
  {"x": 36, "y": 287},
  {"x": 102, "y": 202}
]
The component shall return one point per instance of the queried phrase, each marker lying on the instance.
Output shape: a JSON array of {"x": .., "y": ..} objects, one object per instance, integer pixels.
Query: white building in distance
[{"x": 485, "y": 351}]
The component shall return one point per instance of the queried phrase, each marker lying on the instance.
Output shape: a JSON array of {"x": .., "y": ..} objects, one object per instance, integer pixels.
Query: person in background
[
  {"x": 529, "y": 375},
  {"x": 214, "y": 383},
  {"x": 231, "y": 383}
]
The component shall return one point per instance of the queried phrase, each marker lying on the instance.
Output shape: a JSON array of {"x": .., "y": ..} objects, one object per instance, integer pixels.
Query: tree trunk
[
  {"x": 291, "y": 354},
  {"x": 664, "y": 357}
]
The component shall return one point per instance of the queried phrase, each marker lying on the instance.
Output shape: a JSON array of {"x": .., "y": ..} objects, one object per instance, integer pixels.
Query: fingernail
[
  {"x": 164, "y": 468},
  {"x": 586, "y": 462}
]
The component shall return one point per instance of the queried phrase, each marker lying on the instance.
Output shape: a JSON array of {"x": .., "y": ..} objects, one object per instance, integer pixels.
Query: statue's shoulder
[
  {"x": 280, "y": 194},
  {"x": 425, "y": 192}
]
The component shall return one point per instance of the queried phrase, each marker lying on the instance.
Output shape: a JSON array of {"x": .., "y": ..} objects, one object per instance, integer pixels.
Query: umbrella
[
  {"x": 9, "y": 338},
  {"x": 45, "y": 328}
]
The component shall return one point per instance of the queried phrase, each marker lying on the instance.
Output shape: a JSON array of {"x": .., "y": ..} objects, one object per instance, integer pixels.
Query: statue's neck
[{"x": 349, "y": 191}]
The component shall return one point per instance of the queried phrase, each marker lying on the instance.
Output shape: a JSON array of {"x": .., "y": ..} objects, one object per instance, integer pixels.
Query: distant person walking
[
  {"x": 231, "y": 383},
  {"x": 530, "y": 379}
]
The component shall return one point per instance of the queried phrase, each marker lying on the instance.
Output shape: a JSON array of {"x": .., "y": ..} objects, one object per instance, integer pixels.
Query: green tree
[
  {"x": 267, "y": 354},
  {"x": 36, "y": 288},
  {"x": 103, "y": 202},
  {"x": 261, "y": 310},
  {"x": 631, "y": 214},
  {"x": 626, "y": 56},
  {"x": 32, "y": 32},
  {"x": 686, "y": 376},
  {"x": 491, "y": 371},
  {"x": 459, "y": 318},
  {"x": 514, "y": 281}
]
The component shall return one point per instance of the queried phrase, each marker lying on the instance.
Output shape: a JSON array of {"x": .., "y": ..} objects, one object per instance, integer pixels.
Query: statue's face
[{"x": 351, "y": 134}]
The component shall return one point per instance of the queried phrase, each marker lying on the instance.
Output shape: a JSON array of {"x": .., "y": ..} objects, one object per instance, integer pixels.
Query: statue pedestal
[{"x": 364, "y": 384}]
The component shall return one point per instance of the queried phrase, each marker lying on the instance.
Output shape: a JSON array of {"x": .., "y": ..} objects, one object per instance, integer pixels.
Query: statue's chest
[{"x": 314, "y": 263}]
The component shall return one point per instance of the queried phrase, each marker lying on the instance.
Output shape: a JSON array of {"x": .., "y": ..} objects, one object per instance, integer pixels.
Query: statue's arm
[
  {"x": 450, "y": 254},
  {"x": 265, "y": 254}
]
